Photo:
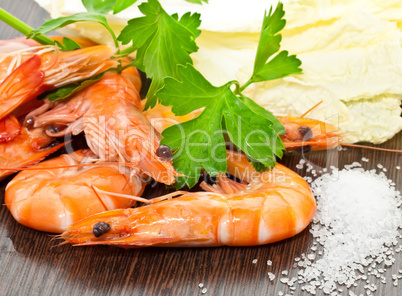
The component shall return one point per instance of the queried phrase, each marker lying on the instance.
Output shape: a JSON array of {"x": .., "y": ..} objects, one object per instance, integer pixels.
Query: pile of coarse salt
[{"x": 357, "y": 224}]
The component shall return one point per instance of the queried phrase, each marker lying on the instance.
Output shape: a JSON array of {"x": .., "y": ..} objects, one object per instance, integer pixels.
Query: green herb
[
  {"x": 69, "y": 90},
  {"x": 68, "y": 44},
  {"x": 162, "y": 42},
  {"x": 61, "y": 22},
  {"x": 200, "y": 142},
  {"x": 282, "y": 64},
  {"x": 197, "y": 1},
  {"x": 97, "y": 9},
  {"x": 106, "y": 6},
  {"x": 122, "y": 4}
]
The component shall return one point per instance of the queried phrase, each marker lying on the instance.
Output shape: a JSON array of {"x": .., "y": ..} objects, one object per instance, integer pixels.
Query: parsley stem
[
  {"x": 23, "y": 27},
  {"x": 113, "y": 35},
  {"x": 128, "y": 50},
  {"x": 246, "y": 84}
]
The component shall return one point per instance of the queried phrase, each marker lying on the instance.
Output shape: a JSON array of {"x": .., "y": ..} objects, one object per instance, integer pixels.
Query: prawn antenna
[
  {"x": 311, "y": 109},
  {"x": 372, "y": 148}
]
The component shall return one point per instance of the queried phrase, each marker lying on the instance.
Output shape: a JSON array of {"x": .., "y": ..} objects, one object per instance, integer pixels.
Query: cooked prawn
[
  {"x": 109, "y": 113},
  {"x": 274, "y": 205},
  {"x": 52, "y": 199},
  {"x": 300, "y": 132},
  {"x": 26, "y": 73}
]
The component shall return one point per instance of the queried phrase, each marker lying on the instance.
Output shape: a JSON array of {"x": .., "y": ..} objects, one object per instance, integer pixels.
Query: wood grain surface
[{"x": 32, "y": 264}]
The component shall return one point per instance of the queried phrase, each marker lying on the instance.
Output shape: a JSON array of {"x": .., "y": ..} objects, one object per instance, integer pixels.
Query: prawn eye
[
  {"x": 52, "y": 129},
  {"x": 306, "y": 132},
  {"x": 164, "y": 152},
  {"x": 29, "y": 122},
  {"x": 100, "y": 229}
]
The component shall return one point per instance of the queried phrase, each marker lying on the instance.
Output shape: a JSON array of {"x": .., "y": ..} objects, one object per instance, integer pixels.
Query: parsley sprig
[
  {"x": 96, "y": 12},
  {"x": 163, "y": 44},
  {"x": 200, "y": 142}
]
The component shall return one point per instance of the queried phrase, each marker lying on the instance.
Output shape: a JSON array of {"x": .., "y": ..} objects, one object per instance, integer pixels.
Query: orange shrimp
[
  {"x": 109, "y": 113},
  {"x": 52, "y": 199},
  {"x": 27, "y": 73},
  {"x": 274, "y": 205},
  {"x": 301, "y": 133}
]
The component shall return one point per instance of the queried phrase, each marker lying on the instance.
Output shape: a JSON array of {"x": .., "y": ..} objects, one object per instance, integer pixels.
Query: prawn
[
  {"x": 115, "y": 129},
  {"x": 52, "y": 199},
  {"x": 271, "y": 206},
  {"x": 26, "y": 73},
  {"x": 301, "y": 133}
]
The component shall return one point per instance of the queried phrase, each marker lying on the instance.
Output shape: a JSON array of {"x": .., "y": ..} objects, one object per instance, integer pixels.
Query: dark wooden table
[{"x": 31, "y": 265}]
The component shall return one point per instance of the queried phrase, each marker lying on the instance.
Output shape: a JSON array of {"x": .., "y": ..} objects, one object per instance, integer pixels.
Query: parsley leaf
[
  {"x": 68, "y": 90},
  {"x": 68, "y": 44},
  {"x": 106, "y": 6},
  {"x": 197, "y": 1},
  {"x": 61, "y": 22},
  {"x": 280, "y": 65},
  {"x": 162, "y": 42},
  {"x": 99, "y": 6},
  {"x": 122, "y": 4},
  {"x": 97, "y": 10},
  {"x": 258, "y": 166},
  {"x": 200, "y": 142}
]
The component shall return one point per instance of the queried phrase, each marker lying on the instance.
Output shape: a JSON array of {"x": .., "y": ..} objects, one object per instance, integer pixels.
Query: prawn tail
[{"x": 22, "y": 85}]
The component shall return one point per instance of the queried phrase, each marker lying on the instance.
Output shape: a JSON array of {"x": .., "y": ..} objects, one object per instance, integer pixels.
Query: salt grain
[
  {"x": 269, "y": 263},
  {"x": 204, "y": 290},
  {"x": 255, "y": 261},
  {"x": 271, "y": 276},
  {"x": 357, "y": 222},
  {"x": 200, "y": 285}
]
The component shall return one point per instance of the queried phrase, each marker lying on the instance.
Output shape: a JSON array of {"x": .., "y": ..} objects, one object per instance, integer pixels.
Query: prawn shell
[
  {"x": 274, "y": 205},
  {"x": 52, "y": 199}
]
